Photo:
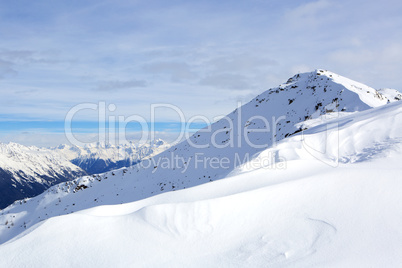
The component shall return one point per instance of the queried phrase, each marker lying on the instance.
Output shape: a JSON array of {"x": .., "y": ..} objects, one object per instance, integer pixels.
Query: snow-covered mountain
[
  {"x": 391, "y": 94},
  {"x": 305, "y": 174},
  {"x": 102, "y": 157},
  {"x": 28, "y": 171}
]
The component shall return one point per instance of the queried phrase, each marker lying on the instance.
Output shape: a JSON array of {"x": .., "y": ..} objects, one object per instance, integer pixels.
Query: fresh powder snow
[{"x": 322, "y": 189}]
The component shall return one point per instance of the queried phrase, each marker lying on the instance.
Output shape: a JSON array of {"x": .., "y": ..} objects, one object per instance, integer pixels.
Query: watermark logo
[
  {"x": 230, "y": 131},
  {"x": 233, "y": 132}
]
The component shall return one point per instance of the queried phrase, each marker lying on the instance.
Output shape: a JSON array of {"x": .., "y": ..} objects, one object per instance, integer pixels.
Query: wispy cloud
[
  {"x": 177, "y": 71},
  {"x": 227, "y": 81},
  {"x": 310, "y": 14},
  {"x": 116, "y": 85},
  {"x": 16, "y": 55},
  {"x": 6, "y": 68}
]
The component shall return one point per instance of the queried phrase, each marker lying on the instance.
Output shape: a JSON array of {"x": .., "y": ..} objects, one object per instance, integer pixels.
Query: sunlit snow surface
[{"x": 331, "y": 197}]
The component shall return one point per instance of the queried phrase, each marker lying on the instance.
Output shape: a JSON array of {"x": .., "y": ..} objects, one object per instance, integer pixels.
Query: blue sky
[{"x": 201, "y": 56}]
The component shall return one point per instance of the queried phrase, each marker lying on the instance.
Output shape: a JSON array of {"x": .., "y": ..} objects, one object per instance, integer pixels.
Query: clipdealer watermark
[
  {"x": 115, "y": 132},
  {"x": 236, "y": 130},
  {"x": 202, "y": 161}
]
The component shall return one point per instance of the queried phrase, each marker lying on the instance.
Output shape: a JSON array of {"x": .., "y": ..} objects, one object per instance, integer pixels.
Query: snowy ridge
[
  {"x": 28, "y": 171},
  {"x": 294, "y": 209},
  {"x": 351, "y": 138},
  {"x": 391, "y": 94},
  {"x": 32, "y": 160}
]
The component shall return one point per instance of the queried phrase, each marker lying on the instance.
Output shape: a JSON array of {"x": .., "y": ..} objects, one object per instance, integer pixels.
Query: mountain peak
[{"x": 324, "y": 79}]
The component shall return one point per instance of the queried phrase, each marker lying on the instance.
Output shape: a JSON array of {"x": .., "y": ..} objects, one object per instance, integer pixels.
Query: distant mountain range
[
  {"x": 101, "y": 157},
  {"x": 26, "y": 171}
]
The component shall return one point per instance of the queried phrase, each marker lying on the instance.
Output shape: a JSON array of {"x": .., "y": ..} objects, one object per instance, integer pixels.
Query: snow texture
[{"x": 327, "y": 196}]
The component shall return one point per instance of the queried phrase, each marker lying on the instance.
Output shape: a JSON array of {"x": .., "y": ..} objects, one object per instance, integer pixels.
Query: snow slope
[
  {"x": 305, "y": 214},
  {"x": 328, "y": 196},
  {"x": 28, "y": 171},
  {"x": 100, "y": 157},
  {"x": 230, "y": 142}
]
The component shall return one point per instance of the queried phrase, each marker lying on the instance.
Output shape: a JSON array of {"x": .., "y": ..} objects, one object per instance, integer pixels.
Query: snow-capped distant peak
[
  {"x": 28, "y": 171},
  {"x": 101, "y": 156}
]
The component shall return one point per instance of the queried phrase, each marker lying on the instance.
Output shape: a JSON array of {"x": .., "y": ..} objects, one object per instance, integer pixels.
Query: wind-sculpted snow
[
  {"x": 358, "y": 137},
  {"x": 275, "y": 198}
]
